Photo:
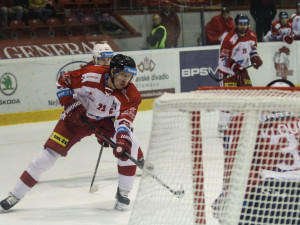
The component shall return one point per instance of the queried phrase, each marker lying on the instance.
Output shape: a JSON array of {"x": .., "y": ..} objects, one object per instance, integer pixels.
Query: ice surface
[{"x": 62, "y": 196}]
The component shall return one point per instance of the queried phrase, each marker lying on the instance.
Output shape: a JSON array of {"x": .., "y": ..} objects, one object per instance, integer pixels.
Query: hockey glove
[
  {"x": 123, "y": 144},
  {"x": 101, "y": 141},
  {"x": 237, "y": 68},
  {"x": 289, "y": 38},
  {"x": 73, "y": 111},
  {"x": 256, "y": 61},
  {"x": 105, "y": 127}
]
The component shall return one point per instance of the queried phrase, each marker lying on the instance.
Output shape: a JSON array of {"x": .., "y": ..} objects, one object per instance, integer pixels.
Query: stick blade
[
  {"x": 180, "y": 193},
  {"x": 94, "y": 188}
]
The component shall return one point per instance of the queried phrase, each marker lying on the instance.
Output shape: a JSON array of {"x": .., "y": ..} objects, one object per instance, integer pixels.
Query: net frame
[{"x": 252, "y": 101}]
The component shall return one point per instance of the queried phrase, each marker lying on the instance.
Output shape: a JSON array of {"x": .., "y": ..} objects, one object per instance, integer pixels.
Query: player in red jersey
[
  {"x": 108, "y": 99},
  {"x": 281, "y": 30},
  {"x": 273, "y": 188},
  {"x": 237, "y": 47}
]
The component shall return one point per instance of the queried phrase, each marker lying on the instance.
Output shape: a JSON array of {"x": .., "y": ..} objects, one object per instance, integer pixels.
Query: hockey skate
[
  {"x": 218, "y": 207},
  {"x": 9, "y": 202},
  {"x": 122, "y": 199},
  {"x": 222, "y": 127}
]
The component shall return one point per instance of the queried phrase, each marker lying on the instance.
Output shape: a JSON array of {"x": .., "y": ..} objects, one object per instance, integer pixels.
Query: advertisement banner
[
  {"x": 195, "y": 66},
  {"x": 55, "y": 46},
  {"x": 30, "y": 84},
  {"x": 279, "y": 62},
  {"x": 157, "y": 72}
]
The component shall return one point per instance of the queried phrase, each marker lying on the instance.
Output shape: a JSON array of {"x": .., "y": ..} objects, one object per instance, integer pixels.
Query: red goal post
[{"x": 255, "y": 165}]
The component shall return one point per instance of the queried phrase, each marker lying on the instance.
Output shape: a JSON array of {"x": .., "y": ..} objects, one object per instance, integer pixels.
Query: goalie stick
[
  {"x": 228, "y": 76},
  {"x": 178, "y": 193}
]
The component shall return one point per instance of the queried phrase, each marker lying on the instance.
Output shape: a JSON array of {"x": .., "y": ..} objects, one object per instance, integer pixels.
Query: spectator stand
[
  {"x": 56, "y": 27},
  {"x": 38, "y": 28}
]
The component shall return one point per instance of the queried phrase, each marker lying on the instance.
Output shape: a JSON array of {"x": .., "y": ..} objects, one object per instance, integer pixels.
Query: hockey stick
[
  {"x": 178, "y": 193},
  {"x": 94, "y": 188},
  {"x": 228, "y": 76}
]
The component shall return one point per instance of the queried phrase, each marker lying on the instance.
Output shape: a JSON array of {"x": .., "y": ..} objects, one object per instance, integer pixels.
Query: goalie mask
[
  {"x": 102, "y": 54},
  {"x": 122, "y": 67}
]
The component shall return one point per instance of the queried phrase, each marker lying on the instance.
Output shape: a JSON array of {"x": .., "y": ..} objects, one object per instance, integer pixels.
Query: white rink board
[{"x": 36, "y": 77}]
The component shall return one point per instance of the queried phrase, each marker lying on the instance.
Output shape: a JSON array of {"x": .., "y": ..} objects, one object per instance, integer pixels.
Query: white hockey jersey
[
  {"x": 278, "y": 31},
  {"x": 237, "y": 48},
  {"x": 295, "y": 21}
]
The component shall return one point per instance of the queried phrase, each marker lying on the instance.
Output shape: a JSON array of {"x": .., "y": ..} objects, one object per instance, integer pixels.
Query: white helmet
[
  {"x": 102, "y": 51},
  {"x": 280, "y": 83}
]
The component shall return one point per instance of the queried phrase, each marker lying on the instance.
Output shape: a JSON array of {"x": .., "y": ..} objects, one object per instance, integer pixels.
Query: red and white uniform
[
  {"x": 237, "y": 48},
  {"x": 89, "y": 87},
  {"x": 107, "y": 110},
  {"x": 278, "y": 31},
  {"x": 295, "y": 21},
  {"x": 277, "y": 152}
]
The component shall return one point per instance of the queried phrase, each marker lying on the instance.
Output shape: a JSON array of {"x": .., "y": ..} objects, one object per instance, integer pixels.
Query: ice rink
[{"x": 62, "y": 196}]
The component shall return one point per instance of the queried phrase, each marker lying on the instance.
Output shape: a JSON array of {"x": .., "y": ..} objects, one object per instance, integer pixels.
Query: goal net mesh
[{"x": 233, "y": 151}]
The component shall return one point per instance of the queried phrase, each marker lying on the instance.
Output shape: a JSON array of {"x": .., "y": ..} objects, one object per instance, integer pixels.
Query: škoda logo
[{"x": 8, "y": 84}]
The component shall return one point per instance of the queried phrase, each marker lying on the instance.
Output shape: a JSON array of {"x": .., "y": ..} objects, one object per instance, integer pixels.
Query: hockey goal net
[{"x": 245, "y": 170}]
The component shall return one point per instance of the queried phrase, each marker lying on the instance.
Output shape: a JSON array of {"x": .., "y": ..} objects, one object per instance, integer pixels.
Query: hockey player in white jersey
[
  {"x": 237, "y": 48},
  {"x": 281, "y": 30},
  {"x": 104, "y": 96},
  {"x": 295, "y": 21}
]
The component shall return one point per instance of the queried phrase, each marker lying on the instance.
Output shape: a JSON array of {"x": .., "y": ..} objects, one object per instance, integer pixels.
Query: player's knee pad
[{"x": 42, "y": 162}]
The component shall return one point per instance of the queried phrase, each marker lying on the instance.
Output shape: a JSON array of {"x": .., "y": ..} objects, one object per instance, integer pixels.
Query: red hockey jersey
[{"x": 89, "y": 86}]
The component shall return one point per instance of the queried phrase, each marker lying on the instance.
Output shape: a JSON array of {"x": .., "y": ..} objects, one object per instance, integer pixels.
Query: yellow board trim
[{"x": 48, "y": 115}]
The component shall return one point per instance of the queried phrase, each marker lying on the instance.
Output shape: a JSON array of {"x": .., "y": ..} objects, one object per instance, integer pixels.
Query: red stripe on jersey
[
  {"x": 127, "y": 170},
  {"x": 28, "y": 179}
]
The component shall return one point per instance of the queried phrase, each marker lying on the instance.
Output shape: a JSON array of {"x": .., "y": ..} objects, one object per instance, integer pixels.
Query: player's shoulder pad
[
  {"x": 96, "y": 69},
  {"x": 252, "y": 33},
  {"x": 131, "y": 94},
  {"x": 293, "y": 16},
  {"x": 229, "y": 36}
]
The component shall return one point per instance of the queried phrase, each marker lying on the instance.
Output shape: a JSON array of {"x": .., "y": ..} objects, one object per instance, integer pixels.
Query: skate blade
[{"x": 120, "y": 206}]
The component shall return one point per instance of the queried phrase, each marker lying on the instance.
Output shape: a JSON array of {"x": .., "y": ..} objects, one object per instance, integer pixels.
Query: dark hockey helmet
[
  {"x": 241, "y": 18},
  {"x": 283, "y": 15},
  {"x": 123, "y": 63}
]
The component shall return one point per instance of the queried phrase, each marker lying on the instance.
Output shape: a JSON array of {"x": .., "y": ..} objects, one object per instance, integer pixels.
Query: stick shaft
[
  {"x": 96, "y": 169},
  {"x": 228, "y": 76},
  {"x": 113, "y": 144}
]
